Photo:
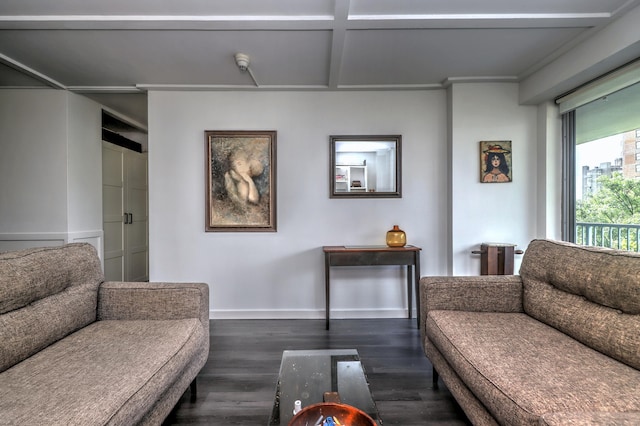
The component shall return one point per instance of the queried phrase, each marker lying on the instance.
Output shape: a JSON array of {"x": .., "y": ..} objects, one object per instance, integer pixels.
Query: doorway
[{"x": 125, "y": 208}]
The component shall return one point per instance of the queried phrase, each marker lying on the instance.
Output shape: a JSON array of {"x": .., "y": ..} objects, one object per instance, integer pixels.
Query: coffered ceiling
[{"x": 131, "y": 46}]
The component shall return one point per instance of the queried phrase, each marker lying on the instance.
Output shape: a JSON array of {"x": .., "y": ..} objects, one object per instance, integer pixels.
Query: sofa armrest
[
  {"x": 485, "y": 293},
  {"x": 153, "y": 301}
]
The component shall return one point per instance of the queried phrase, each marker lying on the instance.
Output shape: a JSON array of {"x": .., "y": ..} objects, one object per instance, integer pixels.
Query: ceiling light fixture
[{"x": 243, "y": 61}]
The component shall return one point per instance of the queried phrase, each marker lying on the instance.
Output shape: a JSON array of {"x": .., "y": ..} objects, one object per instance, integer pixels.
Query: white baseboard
[{"x": 306, "y": 314}]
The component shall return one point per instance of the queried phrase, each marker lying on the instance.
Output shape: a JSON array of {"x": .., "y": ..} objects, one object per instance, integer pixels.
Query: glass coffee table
[{"x": 307, "y": 375}]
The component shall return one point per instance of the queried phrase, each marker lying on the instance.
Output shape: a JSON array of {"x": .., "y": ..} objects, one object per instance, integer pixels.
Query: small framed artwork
[
  {"x": 240, "y": 181},
  {"x": 495, "y": 162}
]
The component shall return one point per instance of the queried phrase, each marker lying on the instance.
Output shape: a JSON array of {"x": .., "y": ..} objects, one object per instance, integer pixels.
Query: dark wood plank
[{"x": 237, "y": 385}]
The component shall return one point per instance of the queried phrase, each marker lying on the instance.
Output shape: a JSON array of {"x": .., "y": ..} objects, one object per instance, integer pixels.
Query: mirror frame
[{"x": 397, "y": 139}]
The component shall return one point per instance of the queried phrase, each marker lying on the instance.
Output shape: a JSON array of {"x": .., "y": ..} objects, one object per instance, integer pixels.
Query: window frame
[{"x": 568, "y": 209}]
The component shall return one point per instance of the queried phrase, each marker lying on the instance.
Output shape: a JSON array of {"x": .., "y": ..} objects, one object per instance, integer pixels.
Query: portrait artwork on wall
[
  {"x": 495, "y": 161},
  {"x": 240, "y": 181}
]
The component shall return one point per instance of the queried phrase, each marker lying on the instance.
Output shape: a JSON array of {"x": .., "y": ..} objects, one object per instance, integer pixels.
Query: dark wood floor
[{"x": 237, "y": 385}]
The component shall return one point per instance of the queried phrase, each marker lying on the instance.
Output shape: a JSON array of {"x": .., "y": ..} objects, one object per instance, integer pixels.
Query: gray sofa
[
  {"x": 75, "y": 350},
  {"x": 557, "y": 345}
]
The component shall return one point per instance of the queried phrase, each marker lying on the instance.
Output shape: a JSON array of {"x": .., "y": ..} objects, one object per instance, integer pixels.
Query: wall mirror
[{"x": 366, "y": 166}]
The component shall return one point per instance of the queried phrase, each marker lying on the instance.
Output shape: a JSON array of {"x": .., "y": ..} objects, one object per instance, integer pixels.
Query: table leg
[
  {"x": 508, "y": 260},
  {"x": 326, "y": 289},
  {"x": 416, "y": 269},
  {"x": 492, "y": 260},
  {"x": 409, "y": 291}
]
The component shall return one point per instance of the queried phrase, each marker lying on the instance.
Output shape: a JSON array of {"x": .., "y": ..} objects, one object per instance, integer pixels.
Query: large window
[{"x": 601, "y": 131}]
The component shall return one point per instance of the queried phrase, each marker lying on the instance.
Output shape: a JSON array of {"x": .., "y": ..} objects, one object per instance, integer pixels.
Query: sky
[{"x": 594, "y": 153}]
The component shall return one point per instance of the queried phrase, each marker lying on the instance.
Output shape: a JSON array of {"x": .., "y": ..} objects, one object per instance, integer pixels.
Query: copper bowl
[{"x": 345, "y": 414}]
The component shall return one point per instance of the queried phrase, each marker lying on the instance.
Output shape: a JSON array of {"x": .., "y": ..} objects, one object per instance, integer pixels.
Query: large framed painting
[
  {"x": 240, "y": 181},
  {"x": 495, "y": 162}
]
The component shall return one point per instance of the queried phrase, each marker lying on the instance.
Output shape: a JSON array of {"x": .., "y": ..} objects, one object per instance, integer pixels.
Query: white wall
[
  {"x": 33, "y": 161},
  {"x": 84, "y": 173},
  {"x": 549, "y": 172},
  {"x": 445, "y": 208},
  {"x": 53, "y": 170},
  {"x": 484, "y": 212},
  {"x": 49, "y": 169},
  {"x": 281, "y": 274}
]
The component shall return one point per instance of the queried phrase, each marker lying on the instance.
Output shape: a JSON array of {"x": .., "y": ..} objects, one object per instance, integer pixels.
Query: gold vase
[{"x": 396, "y": 237}]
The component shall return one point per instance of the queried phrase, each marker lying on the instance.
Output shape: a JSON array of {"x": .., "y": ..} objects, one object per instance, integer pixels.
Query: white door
[
  {"x": 125, "y": 214},
  {"x": 136, "y": 228},
  {"x": 113, "y": 211}
]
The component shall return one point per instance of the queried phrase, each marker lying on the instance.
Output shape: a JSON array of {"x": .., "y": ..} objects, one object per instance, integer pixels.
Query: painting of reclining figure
[{"x": 240, "y": 181}]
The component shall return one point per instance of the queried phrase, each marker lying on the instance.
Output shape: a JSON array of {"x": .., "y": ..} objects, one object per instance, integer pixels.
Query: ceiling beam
[
  {"x": 338, "y": 39},
  {"x": 473, "y": 21},
  {"x": 157, "y": 22},
  {"x": 31, "y": 72},
  {"x": 104, "y": 89},
  {"x": 339, "y": 21}
]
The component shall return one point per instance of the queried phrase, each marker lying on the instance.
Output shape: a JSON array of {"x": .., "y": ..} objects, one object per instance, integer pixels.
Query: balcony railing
[{"x": 611, "y": 235}]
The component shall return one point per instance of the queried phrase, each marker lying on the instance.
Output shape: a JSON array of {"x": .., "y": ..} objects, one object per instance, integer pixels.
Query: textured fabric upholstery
[
  {"x": 75, "y": 350},
  {"x": 603, "y": 276},
  {"x": 45, "y": 294},
  {"x": 97, "y": 373},
  {"x": 473, "y": 408},
  {"x": 591, "y": 294},
  {"x": 591, "y": 419},
  {"x": 557, "y": 345},
  {"x": 133, "y": 301},
  {"x": 521, "y": 368},
  {"x": 489, "y": 293}
]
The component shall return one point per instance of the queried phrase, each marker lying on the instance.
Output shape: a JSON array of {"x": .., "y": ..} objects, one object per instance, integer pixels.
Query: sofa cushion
[
  {"x": 591, "y": 419},
  {"x": 607, "y": 330},
  {"x": 597, "y": 305},
  {"x": 33, "y": 274},
  {"x": 522, "y": 369},
  {"x": 45, "y": 294},
  {"x": 110, "y": 372},
  {"x": 611, "y": 278}
]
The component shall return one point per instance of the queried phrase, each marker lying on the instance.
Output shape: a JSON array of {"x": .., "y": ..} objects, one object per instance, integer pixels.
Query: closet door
[
  {"x": 136, "y": 228},
  {"x": 113, "y": 211},
  {"x": 125, "y": 214}
]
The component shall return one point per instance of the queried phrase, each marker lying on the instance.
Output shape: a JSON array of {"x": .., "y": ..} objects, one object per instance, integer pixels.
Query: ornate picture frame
[{"x": 240, "y": 181}]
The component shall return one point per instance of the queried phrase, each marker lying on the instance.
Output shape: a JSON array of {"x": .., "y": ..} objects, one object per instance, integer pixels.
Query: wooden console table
[{"x": 369, "y": 256}]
